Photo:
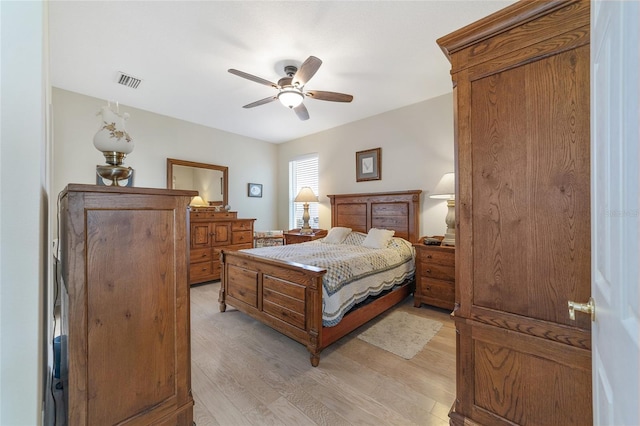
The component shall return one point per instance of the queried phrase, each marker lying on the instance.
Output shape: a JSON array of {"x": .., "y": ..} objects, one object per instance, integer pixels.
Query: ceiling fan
[{"x": 291, "y": 91}]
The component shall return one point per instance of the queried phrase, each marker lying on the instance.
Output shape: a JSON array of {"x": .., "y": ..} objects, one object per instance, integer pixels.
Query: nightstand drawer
[
  {"x": 442, "y": 272},
  {"x": 438, "y": 289},
  {"x": 437, "y": 256}
]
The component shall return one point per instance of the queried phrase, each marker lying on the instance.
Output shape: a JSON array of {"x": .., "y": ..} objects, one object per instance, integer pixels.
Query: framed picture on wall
[
  {"x": 255, "y": 190},
  {"x": 368, "y": 165}
]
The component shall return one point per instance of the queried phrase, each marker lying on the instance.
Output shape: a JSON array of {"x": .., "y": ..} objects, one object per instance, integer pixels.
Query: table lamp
[
  {"x": 197, "y": 201},
  {"x": 306, "y": 196},
  {"x": 446, "y": 190}
]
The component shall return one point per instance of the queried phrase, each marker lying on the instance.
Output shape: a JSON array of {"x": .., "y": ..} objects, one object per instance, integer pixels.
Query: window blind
[{"x": 303, "y": 172}]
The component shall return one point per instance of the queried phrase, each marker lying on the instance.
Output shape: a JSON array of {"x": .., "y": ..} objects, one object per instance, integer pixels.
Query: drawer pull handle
[
  {"x": 429, "y": 256},
  {"x": 428, "y": 271}
]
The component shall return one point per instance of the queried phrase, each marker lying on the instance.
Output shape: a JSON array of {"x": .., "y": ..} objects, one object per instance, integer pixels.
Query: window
[{"x": 303, "y": 171}]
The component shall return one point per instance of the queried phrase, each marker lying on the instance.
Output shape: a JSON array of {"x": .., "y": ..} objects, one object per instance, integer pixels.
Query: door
[{"x": 615, "y": 230}]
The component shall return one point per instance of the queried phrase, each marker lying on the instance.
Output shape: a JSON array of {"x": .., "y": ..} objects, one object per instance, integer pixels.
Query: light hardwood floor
[{"x": 244, "y": 373}]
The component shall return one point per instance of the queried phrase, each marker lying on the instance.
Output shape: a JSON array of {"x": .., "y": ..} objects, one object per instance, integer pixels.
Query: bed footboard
[{"x": 286, "y": 296}]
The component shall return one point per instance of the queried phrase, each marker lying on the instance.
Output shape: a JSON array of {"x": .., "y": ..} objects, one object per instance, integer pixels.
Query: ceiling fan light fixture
[
  {"x": 290, "y": 88},
  {"x": 290, "y": 97}
]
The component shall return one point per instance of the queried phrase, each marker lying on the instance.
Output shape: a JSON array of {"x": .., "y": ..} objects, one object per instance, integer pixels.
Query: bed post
[{"x": 314, "y": 315}]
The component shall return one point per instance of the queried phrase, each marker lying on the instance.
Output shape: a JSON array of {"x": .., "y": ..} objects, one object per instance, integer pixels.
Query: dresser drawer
[
  {"x": 216, "y": 267},
  {"x": 200, "y": 271},
  {"x": 242, "y": 237},
  {"x": 198, "y": 215},
  {"x": 200, "y": 255},
  {"x": 208, "y": 213},
  {"x": 242, "y": 225},
  {"x": 222, "y": 215},
  {"x": 238, "y": 247}
]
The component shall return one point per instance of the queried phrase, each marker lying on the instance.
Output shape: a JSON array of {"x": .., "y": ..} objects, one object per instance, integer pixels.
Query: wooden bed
[{"x": 287, "y": 296}]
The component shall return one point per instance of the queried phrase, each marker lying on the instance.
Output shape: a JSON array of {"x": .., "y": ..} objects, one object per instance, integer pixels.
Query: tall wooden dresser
[
  {"x": 212, "y": 231},
  {"x": 124, "y": 254},
  {"x": 521, "y": 112}
]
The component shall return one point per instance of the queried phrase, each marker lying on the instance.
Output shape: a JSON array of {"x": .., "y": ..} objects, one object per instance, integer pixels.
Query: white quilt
[{"x": 353, "y": 273}]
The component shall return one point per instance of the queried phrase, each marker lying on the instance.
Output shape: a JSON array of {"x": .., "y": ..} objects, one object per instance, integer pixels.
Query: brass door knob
[{"x": 587, "y": 308}]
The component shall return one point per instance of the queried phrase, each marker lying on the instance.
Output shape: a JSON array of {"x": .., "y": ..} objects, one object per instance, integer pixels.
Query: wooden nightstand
[
  {"x": 294, "y": 236},
  {"x": 435, "y": 275}
]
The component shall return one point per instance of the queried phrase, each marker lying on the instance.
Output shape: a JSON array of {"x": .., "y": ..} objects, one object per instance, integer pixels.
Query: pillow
[
  {"x": 378, "y": 238},
  {"x": 354, "y": 239},
  {"x": 337, "y": 235}
]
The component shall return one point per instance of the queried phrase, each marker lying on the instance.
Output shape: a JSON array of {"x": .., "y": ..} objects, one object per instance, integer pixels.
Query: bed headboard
[{"x": 399, "y": 211}]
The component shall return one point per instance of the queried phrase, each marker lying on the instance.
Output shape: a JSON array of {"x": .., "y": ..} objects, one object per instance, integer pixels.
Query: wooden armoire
[
  {"x": 521, "y": 113},
  {"x": 125, "y": 259}
]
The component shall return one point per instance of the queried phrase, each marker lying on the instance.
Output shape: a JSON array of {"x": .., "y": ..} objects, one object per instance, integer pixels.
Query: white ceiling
[{"x": 384, "y": 53}]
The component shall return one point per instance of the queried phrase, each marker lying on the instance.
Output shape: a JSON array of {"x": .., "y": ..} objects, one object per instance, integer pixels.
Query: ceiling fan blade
[
  {"x": 261, "y": 102},
  {"x": 329, "y": 96},
  {"x": 253, "y": 78},
  {"x": 307, "y": 70},
  {"x": 301, "y": 112}
]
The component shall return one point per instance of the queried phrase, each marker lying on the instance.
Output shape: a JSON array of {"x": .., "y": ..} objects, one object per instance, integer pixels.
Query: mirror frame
[{"x": 224, "y": 169}]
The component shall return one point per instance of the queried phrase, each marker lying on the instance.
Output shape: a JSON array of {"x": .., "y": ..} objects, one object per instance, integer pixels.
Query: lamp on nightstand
[
  {"x": 446, "y": 190},
  {"x": 306, "y": 196}
]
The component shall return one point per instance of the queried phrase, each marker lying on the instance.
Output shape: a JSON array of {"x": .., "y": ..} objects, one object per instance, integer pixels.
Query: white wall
[
  {"x": 416, "y": 142},
  {"x": 23, "y": 211},
  {"x": 417, "y": 149},
  {"x": 157, "y": 138}
]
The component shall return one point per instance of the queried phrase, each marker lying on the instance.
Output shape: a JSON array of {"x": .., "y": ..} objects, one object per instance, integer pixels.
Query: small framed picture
[
  {"x": 368, "y": 165},
  {"x": 255, "y": 190}
]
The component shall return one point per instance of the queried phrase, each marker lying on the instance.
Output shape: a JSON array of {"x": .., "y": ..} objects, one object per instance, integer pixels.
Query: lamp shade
[
  {"x": 290, "y": 98},
  {"x": 197, "y": 201},
  {"x": 446, "y": 188},
  {"x": 306, "y": 195}
]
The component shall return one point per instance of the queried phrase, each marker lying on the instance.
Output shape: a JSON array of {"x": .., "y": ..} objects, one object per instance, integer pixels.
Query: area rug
[{"x": 401, "y": 333}]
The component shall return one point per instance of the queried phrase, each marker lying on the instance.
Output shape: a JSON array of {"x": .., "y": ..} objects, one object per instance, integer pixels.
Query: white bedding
[{"x": 354, "y": 272}]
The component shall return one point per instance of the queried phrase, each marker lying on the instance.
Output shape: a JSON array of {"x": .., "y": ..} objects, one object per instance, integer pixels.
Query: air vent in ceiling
[{"x": 128, "y": 80}]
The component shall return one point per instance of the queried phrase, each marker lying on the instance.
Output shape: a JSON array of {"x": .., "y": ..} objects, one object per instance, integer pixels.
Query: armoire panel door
[
  {"x": 530, "y": 180},
  {"x": 130, "y": 298},
  {"x": 531, "y": 188}
]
